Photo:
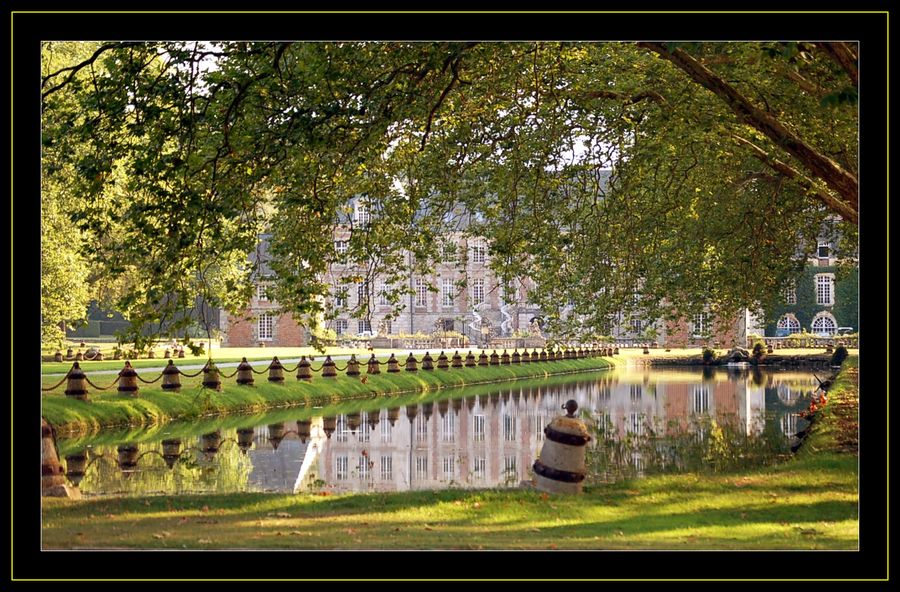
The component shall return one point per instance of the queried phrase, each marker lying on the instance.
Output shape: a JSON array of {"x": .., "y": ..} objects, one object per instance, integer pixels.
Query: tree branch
[{"x": 833, "y": 174}]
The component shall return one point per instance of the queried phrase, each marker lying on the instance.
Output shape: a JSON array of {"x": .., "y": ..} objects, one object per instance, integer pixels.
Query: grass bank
[
  {"x": 809, "y": 502},
  {"x": 153, "y": 405}
]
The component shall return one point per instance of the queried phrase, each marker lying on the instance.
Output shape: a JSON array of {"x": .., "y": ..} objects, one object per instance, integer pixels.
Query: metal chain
[
  {"x": 148, "y": 381},
  {"x": 191, "y": 375},
  {"x": 58, "y": 383},
  {"x": 228, "y": 375},
  {"x": 101, "y": 388}
]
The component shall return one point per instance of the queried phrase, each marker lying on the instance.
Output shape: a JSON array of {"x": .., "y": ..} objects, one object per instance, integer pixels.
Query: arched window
[
  {"x": 824, "y": 323},
  {"x": 788, "y": 324}
]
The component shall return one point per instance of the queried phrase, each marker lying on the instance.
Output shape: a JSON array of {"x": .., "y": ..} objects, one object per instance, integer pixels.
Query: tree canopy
[{"x": 645, "y": 178}]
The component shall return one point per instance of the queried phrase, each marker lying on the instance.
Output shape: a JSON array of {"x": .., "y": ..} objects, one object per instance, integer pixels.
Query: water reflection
[{"x": 644, "y": 421}]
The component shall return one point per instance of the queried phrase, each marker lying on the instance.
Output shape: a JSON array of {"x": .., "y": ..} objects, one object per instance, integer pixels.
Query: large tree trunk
[{"x": 841, "y": 181}]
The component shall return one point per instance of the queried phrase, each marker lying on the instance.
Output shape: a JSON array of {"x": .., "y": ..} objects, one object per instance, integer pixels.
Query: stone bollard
[
  {"x": 76, "y": 465},
  {"x": 411, "y": 363},
  {"x": 181, "y": 353},
  {"x": 542, "y": 356},
  {"x": 167, "y": 354},
  {"x": 58, "y": 356},
  {"x": 76, "y": 383},
  {"x": 646, "y": 349},
  {"x": 526, "y": 357},
  {"x": 470, "y": 360},
  {"x": 171, "y": 380},
  {"x": 374, "y": 366},
  {"x": 128, "y": 380},
  {"x": 329, "y": 368},
  {"x": 304, "y": 428},
  {"x": 303, "y": 370},
  {"x": 483, "y": 359},
  {"x": 504, "y": 359},
  {"x": 515, "y": 358},
  {"x": 53, "y": 480},
  {"x": 99, "y": 357},
  {"x": 442, "y": 362},
  {"x": 151, "y": 354},
  {"x": 276, "y": 370},
  {"x": 495, "y": 358},
  {"x": 211, "y": 378},
  {"x": 245, "y": 439},
  {"x": 70, "y": 355},
  {"x": 456, "y": 361},
  {"x": 393, "y": 364},
  {"x": 79, "y": 357},
  {"x": 615, "y": 351},
  {"x": 560, "y": 467},
  {"x": 245, "y": 372},
  {"x": 427, "y": 362},
  {"x": 352, "y": 366},
  {"x": 171, "y": 450}
]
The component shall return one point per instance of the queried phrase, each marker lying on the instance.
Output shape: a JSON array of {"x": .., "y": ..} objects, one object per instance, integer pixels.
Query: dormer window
[{"x": 824, "y": 250}]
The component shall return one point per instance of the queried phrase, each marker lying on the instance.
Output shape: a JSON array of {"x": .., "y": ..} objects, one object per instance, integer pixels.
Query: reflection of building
[{"x": 486, "y": 441}]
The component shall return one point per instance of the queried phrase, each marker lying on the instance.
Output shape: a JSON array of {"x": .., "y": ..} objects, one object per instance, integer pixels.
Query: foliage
[
  {"x": 840, "y": 354},
  {"x": 709, "y": 355},
  {"x": 606, "y": 172},
  {"x": 846, "y": 299}
]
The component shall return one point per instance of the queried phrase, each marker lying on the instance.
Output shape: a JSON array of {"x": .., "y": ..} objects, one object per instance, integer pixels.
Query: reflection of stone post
[
  {"x": 53, "y": 480},
  {"x": 560, "y": 468}
]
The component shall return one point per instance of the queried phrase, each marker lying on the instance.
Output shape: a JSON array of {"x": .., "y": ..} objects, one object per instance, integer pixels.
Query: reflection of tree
[{"x": 226, "y": 471}]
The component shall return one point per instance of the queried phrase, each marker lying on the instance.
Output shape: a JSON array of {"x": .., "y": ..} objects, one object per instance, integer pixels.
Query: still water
[{"x": 643, "y": 421}]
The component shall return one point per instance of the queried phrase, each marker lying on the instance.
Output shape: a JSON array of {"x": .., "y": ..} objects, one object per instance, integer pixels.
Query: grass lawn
[
  {"x": 154, "y": 406},
  {"x": 809, "y": 502}
]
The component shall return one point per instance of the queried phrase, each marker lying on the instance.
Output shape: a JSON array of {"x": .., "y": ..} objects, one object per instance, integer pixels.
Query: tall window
[
  {"x": 700, "y": 324},
  {"x": 824, "y": 289},
  {"x": 638, "y": 325},
  {"x": 383, "y": 294},
  {"x": 341, "y": 246},
  {"x": 421, "y": 429},
  {"x": 447, "y": 292},
  {"x": 362, "y": 293},
  {"x": 477, "y": 291},
  {"x": 824, "y": 324},
  {"x": 340, "y": 326},
  {"x": 790, "y": 294},
  {"x": 788, "y": 324},
  {"x": 264, "y": 326},
  {"x": 340, "y": 300},
  {"x": 421, "y": 292},
  {"x": 365, "y": 325},
  {"x": 479, "y": 253},
  {"x": 363, "y": 217}
]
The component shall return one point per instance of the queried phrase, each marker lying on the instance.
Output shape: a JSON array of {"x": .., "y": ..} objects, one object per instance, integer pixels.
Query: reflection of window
[
  {"x": 421, "y": 468},
  {"x": 635, "y": 423},
  {"x": 387, "y": 468},
  {"x": 363, "y": 467},
  {"x": 824, "y": 291},
  {"x": 448, "y": 427},
  {"x": 636, "y": 391},
  {"x": 421, "y": 429},
  {"x": 700, "y": 399},
  {"x": 386, "y": 431},
  {"x": 364, "y": 432},
  {"x": 264, "y": 326},
  {"x": 341, "y": 468},
  {"x": 509, "y": 428},
  {"x": 480, "y": 467},
  {"x": 449, "y": 463},
  {"x": 789, "y": 424},
  {"x": 341, "y": 431},
  {"x": 510, "y": 468},
  {"x": 478, "y": 428}
]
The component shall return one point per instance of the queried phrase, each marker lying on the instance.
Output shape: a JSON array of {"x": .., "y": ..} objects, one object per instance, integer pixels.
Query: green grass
[
  {"x": 808, "y": 503},
  {"x": 154, "y": 406}
]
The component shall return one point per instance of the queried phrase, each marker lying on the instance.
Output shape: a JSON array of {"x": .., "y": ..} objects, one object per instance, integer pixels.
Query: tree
[{"x": 655, "y": 178}]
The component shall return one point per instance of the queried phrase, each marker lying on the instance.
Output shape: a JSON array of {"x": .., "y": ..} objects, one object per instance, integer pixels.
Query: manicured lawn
[
  {"x": 154, "y": 406},
  {"x": 809, "y": 502}
]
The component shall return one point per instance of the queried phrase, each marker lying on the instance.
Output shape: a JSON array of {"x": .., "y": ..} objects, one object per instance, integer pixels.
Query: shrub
[
  {"x": 840, "y": 354},
  {"x": 708, "y": 355},
  {"x": 759, "y": 349}
]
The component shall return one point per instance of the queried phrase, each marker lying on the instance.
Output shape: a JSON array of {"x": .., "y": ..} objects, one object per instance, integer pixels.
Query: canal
[{"x": 643, "y": 421}]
